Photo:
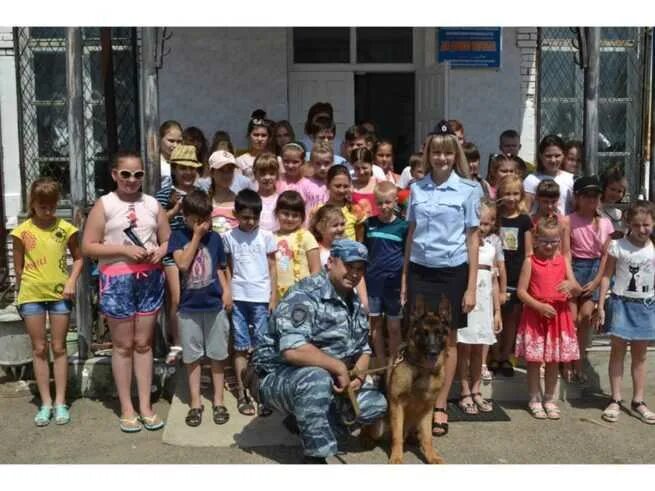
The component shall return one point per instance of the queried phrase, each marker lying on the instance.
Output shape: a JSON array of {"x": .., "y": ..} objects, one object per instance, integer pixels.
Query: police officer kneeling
[{"x": 316, "y": 334}]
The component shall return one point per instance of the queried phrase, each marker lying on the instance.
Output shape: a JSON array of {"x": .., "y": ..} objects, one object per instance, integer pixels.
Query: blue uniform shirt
[
  {"x": 313, "y": 312},
  {"x": 442, "y": 215}
]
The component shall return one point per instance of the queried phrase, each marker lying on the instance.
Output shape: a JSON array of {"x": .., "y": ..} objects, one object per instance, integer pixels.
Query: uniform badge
[{"x": 298, "y": 314}]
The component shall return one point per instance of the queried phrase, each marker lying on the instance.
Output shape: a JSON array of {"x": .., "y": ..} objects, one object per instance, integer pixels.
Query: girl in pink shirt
[
  {"x": 590, "y": 237},
  {"x": 293, "y": 157}
]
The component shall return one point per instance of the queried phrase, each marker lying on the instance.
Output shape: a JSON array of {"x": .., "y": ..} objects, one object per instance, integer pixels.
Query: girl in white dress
[{"x": 484, "y": 321}]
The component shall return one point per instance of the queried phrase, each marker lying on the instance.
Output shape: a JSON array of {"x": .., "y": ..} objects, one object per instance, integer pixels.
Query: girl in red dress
[{"x": 546, "y": 332}]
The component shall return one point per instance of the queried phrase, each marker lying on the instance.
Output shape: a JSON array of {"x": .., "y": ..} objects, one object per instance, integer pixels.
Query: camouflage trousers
[{"x": 307, "y": 393}]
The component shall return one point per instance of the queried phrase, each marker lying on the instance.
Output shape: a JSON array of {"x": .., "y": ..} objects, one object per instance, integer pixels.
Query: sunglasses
[{"x": 126, "y": 174}]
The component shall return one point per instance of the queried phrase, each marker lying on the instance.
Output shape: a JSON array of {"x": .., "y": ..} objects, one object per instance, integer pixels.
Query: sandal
[
  {"x": 173, "y": 354},
  {"x": 467, "y": 407},
  {"x": 537, "y": 410},
  {"x": 220, "y": 415},
  {"x": 245, "y": 406},
  {"x": 152, "y": 423},
  {"x": 486, "y": 374},
  {"x": 194, "y": 416},
  {"x": 646, "y": 415},
  {"x": 552, "y": 410},
  {"x": 264, "y": 411},
  {"x": 439, "y": 426},
  {"x": 483, "y": 405},
  {"x": 62, "y": 415},
  {"x": 612, "y": 411},
  {"x": 130, "y": 425},
  {"x": 43, "y": 416}
]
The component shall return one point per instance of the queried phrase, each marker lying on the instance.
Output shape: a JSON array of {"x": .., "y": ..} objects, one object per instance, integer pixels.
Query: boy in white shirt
[{"x": 251, "y": 260}]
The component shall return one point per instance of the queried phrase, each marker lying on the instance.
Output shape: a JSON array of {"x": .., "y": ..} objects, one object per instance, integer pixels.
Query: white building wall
[
  {"x": 214, "y": 78},
  {"x": 488, "y": 101},
  {"x": 9, "y": 125}
]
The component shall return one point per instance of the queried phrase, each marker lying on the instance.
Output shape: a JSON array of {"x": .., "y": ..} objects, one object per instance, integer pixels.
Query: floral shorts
[{"x": 127, "y": 290}]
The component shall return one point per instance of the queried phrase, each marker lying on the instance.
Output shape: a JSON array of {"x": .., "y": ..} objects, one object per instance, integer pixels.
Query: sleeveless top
[
  {"x": 546, "y": 276},
  {"x": 140, "y": 216}
]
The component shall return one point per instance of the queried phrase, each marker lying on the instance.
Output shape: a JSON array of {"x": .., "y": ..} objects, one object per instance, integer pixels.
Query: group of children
[{"x": 229, "y": 236}]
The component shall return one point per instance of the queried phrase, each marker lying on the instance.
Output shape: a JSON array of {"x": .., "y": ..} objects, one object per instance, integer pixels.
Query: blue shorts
[
  {"x": 387, "y": 304},
  {"x": 585, "y": 270},
  {"x": 245, "y": 315},
  {"x": 54, "y": 307},
  {"x": 128, "y": 290}
]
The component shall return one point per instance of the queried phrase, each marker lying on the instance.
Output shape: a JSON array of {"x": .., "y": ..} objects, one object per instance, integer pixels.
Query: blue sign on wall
[{"x": 469, "y": 47}]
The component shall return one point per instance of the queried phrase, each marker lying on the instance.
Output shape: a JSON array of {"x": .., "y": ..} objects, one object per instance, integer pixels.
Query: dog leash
[{"x": 357, "y": 373}]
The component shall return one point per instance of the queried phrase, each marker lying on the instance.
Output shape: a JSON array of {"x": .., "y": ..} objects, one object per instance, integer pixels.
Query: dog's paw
[
  {"x": 434, "y": 458},
  {"x": 396, "y": 459}
]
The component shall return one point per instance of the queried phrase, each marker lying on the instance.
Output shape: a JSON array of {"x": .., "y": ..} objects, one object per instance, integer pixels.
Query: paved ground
[{"x": 93, "y": 438}]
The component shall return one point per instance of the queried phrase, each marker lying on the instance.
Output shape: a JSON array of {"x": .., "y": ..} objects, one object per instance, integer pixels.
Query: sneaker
[
  {"x": 62, "y": 415},
  {"x": 43, "y": 416}
]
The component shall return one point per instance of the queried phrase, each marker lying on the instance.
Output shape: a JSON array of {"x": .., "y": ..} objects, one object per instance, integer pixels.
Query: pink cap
[{"x": 221, "y": 158}]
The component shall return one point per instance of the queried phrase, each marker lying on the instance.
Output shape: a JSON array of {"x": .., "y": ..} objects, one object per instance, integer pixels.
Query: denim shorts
[
  {"x": 54, "y": 307},
  {"x": 128, "y": 290},
  {"x": 585, "y": 270},
  {"x": 388, "y": 304},
  {"x": 244, "y": 316}
]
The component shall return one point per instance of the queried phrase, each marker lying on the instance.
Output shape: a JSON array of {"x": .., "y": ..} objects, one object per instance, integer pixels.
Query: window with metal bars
[
  {"x": 41, "y": 76},
  {"x": 561, "y": 94}
]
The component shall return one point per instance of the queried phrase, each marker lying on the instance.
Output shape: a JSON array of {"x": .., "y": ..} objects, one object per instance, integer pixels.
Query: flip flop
[
  {"x": 152, "y": 423},
  {"x": 130, "y": 425}
]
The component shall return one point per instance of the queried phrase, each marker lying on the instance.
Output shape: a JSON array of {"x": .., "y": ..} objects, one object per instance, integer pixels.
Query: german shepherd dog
[{"x": 415, "y": 381}]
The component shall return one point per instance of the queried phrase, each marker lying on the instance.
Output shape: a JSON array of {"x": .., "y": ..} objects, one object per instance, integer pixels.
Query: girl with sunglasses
[{"x": 128, "y": 231}]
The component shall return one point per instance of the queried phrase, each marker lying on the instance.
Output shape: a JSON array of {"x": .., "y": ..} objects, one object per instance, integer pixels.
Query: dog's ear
[
  {"x": 445, "y": 309},
  {"x": 419, "y": 305}
]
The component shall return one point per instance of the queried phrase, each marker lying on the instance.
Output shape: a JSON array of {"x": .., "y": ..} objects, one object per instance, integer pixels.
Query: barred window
[
  {"x": 41, "y": 73},
  {"x": 561, "y": 93}
]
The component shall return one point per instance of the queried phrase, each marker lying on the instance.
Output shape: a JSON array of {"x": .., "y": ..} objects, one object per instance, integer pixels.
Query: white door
[
  {"x": 307, "y": 88},
  {"x": 431, "y": 96}
]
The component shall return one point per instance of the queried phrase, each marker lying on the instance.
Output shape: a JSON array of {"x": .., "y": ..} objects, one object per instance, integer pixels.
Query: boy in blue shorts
[
  {"x": 204, "y": 299},
  {"x": 384, "y": 237},
  {"x": 251, "y": 259}
]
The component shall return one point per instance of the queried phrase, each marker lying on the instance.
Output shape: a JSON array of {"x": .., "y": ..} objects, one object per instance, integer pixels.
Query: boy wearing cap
[
  {"x": 590, "y": 238},
  {"x": 184, "y": 175},
  {"x": 317, "y": 334}
]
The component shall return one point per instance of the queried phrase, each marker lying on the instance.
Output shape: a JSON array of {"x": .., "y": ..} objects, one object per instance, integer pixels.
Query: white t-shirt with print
[
  {"x": 635, "y": 269},
  {"x": 251, "y": 281}
]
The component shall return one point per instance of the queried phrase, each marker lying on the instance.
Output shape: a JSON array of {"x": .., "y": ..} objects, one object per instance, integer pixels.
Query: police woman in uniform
[{"x": 441, "y": 252}]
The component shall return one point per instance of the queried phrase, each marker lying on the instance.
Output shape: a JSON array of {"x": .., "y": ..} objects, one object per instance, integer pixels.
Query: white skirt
[{"x": 480, "y": 328}]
